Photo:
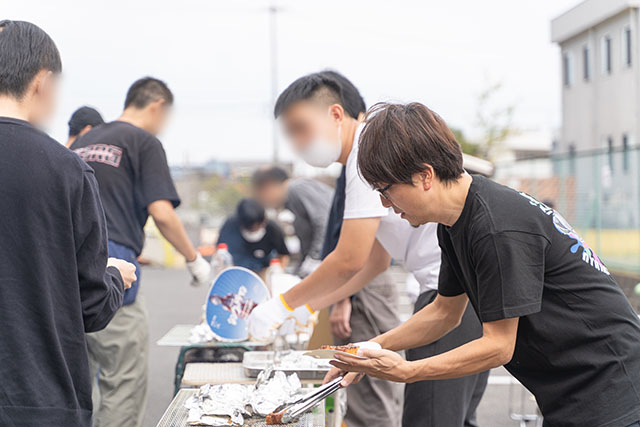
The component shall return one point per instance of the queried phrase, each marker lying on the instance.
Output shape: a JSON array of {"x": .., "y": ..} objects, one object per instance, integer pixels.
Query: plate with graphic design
[{"x": 234, "y": 293}]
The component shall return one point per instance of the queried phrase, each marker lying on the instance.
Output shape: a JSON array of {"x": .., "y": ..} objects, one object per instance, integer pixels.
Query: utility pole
[{"x": 273, "y": 38}]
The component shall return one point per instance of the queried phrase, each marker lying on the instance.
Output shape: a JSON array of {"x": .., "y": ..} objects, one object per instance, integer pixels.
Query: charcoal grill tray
[{"x": 176, "y": 414}]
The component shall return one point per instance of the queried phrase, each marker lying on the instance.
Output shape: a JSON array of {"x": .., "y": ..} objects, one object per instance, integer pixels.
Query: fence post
[{"x": 597, "y": 205}]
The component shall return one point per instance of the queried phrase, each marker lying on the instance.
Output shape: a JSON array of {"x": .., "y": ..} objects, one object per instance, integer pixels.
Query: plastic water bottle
[
  {"x": 222, "y": 259},
  {"x": 275, "y": 269}
]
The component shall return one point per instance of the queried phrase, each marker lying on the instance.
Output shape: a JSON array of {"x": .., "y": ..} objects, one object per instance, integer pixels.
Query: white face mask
[
  {"x": 254, "y": 236},
  {"x": 321, "y": 152}
]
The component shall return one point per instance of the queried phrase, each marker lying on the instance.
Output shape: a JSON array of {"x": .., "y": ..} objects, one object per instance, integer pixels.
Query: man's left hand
[{"x": 384, "y": 364}]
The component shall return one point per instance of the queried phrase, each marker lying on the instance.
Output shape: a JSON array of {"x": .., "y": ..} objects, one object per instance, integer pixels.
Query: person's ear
[
  {"x": 426, "y": 177},
  {"x": 336, "y": 112},
  {"x": 41, "y": 82}
]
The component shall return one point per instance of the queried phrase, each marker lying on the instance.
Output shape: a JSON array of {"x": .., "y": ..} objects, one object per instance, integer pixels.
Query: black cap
[{"x": 82, "y": 117}]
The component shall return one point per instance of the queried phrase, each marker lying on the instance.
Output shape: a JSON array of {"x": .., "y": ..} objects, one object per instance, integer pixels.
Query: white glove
[
  {"x": 300, "y": 322},
  {"x": 266, "y": 319},
  {"x": 200, "y": 270}
]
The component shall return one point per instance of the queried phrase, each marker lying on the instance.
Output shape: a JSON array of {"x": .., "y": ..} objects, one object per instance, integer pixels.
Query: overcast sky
[{"x": 215, "y": 57}]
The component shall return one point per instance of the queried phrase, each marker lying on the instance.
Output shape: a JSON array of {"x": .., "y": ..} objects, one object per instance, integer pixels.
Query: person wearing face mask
[
  {"x": 321, "y": 113},
  {"x": 252, "y": 239}
]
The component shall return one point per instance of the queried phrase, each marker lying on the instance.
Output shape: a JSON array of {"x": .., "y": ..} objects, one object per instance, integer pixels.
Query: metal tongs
[{"x": 291, "y": 411}]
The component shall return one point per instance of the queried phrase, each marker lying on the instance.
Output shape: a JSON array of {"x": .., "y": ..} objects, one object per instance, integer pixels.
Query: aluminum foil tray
[
  {"x": 176, "y": 414},
  {"x": 293, "y": 362}
]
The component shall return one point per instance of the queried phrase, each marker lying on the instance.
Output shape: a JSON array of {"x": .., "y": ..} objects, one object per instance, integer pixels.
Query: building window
[
  {"x": 586, "y": 72},
  {"x": 626, "y": 47},
  {"x": 606, "y": 55},
  {"x": 625, "y": 152},
  {"x": 567, "y": 69},
  {"x": 610, "y": 153}
]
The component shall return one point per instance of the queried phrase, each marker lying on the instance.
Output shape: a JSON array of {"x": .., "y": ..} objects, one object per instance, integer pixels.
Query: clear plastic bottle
[
  {"x": 222, "y": 259},
  {"x": 275, "y": 269}
]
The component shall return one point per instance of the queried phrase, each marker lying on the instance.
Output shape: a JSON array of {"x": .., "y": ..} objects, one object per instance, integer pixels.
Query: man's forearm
[
  {"x": 172, "y": 229},
  {"x": 424, "y": 327},
  {"x": 329, "y": 276},
  {"x": 353, "y": 285},
  {"x": 471, "y": 358}
]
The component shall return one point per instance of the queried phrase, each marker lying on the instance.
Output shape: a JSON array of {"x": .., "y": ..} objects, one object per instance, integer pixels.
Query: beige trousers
[{"x": 118, "y": 357}]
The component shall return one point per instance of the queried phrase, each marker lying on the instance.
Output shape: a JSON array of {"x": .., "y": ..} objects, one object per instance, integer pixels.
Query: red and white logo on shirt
[{"x": 101, "y": 153}]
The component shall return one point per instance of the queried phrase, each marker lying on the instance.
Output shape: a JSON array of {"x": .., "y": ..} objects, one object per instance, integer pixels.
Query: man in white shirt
[
  {"x": 433, "y": 403},
  {"x": 322, "y": 114}
]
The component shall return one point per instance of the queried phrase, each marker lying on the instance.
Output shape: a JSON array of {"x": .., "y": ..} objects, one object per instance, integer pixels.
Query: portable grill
[{"x": 176, "y": 414}]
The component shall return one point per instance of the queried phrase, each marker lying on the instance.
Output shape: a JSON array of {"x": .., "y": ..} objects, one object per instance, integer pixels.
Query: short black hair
[
  {"x": 82, "y": 117},
  {"x": 25, "y": 50},
  {"x": 273, "y": 174},
  {"x": 328, "y": 85},
  {"x": 146, "y": 90},
  {"x": 249, "y": 213},
  {"x": 399, "y": 139}
]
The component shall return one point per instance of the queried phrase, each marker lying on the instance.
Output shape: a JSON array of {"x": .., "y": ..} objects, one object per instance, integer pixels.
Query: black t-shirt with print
[
  {"x": 132, "y": 171},
  {"x": 578, "y": 342}
]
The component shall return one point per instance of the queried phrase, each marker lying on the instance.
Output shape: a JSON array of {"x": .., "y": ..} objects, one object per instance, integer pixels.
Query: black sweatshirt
[{"x": 54, "y": 284}]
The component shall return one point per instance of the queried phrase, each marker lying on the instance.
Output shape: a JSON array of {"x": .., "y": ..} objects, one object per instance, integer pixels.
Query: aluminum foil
[
  {"x": 201, "y": 333},
  {"x": 297, "y": 360},
  {"x": 229, "y": 404}
]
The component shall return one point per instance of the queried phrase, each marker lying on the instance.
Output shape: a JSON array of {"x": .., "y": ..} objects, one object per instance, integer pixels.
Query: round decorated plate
[{"x": 234, "y": 293}]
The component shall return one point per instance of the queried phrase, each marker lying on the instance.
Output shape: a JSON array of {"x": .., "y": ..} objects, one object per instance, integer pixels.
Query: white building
[
  {"x": 595, "y": 152},
  {"x": 600, "y": 74}
]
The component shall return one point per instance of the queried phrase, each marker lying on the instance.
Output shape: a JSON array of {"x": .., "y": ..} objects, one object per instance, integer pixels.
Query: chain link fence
[{"x": 598, "y": 192}]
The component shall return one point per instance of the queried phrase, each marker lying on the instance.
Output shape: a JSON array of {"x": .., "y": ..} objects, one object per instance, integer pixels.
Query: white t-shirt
[
  {"x": 361, "y": 201},
  {"x": 417, "y": 248}
]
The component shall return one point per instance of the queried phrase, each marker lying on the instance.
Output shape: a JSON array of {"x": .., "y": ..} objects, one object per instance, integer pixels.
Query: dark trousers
[{"x": 444, "y": 403}]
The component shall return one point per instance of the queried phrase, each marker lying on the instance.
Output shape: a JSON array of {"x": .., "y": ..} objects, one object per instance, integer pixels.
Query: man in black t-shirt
[
  {"x": 56, "y": 282},
  {"x": 550, "y": 310},
  {"x": 252, "y": 239},
  {"x": 132, "y": 172}
]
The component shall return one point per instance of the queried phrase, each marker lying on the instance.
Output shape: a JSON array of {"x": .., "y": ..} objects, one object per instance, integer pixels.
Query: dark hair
[
  {"x": 397, "y": 141},
  {"x": 262, "y": 177},
  {"x": 147, "y": 90},
  {"x": 328, "y": 86},
  {"x": 249, "y": 213},
  {"x": 25, "y": 50},
  {"x": 82, "y": 117}
]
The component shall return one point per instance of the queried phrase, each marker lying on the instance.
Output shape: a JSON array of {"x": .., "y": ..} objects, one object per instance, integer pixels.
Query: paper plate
[
  {"x": 322, "y": 353},
  {"x": 234, "y": 293}
]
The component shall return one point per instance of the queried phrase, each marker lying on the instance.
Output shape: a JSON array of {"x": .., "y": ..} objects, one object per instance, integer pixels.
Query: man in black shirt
[
  {"x": 252, "y": 239},
  {"x": 550, "y": 310},
  {"x": 134, "y": 179},
  {"x": 55, "y": 280}
]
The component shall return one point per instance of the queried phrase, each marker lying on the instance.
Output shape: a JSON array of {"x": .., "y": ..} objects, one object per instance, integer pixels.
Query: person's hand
[
  {"x": 385, "y": 364},
  {"x": 127, "y": 270},
  {"x": 200, "y": 271},
  {"x": 349, "y": 378},
  {"x": 340, "y": 318},
  {"x": 297, "y": 322},
  {"x": 266, "y": 319}
]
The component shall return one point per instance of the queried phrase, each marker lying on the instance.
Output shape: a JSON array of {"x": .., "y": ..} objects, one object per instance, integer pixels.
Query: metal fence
[{"x": 598, "y": 192}]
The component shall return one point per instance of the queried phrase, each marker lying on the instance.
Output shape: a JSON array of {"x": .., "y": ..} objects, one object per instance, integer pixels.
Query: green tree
[
  {"x": 468, "y": 147},
  {"x": 494, "y": 121}
]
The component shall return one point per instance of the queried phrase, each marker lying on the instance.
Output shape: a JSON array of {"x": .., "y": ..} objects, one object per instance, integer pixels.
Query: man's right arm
[
  {"x": 170, "y": 226},
  {"x": 350, "y": 256},
  {"x": 427, "y": 325}
]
